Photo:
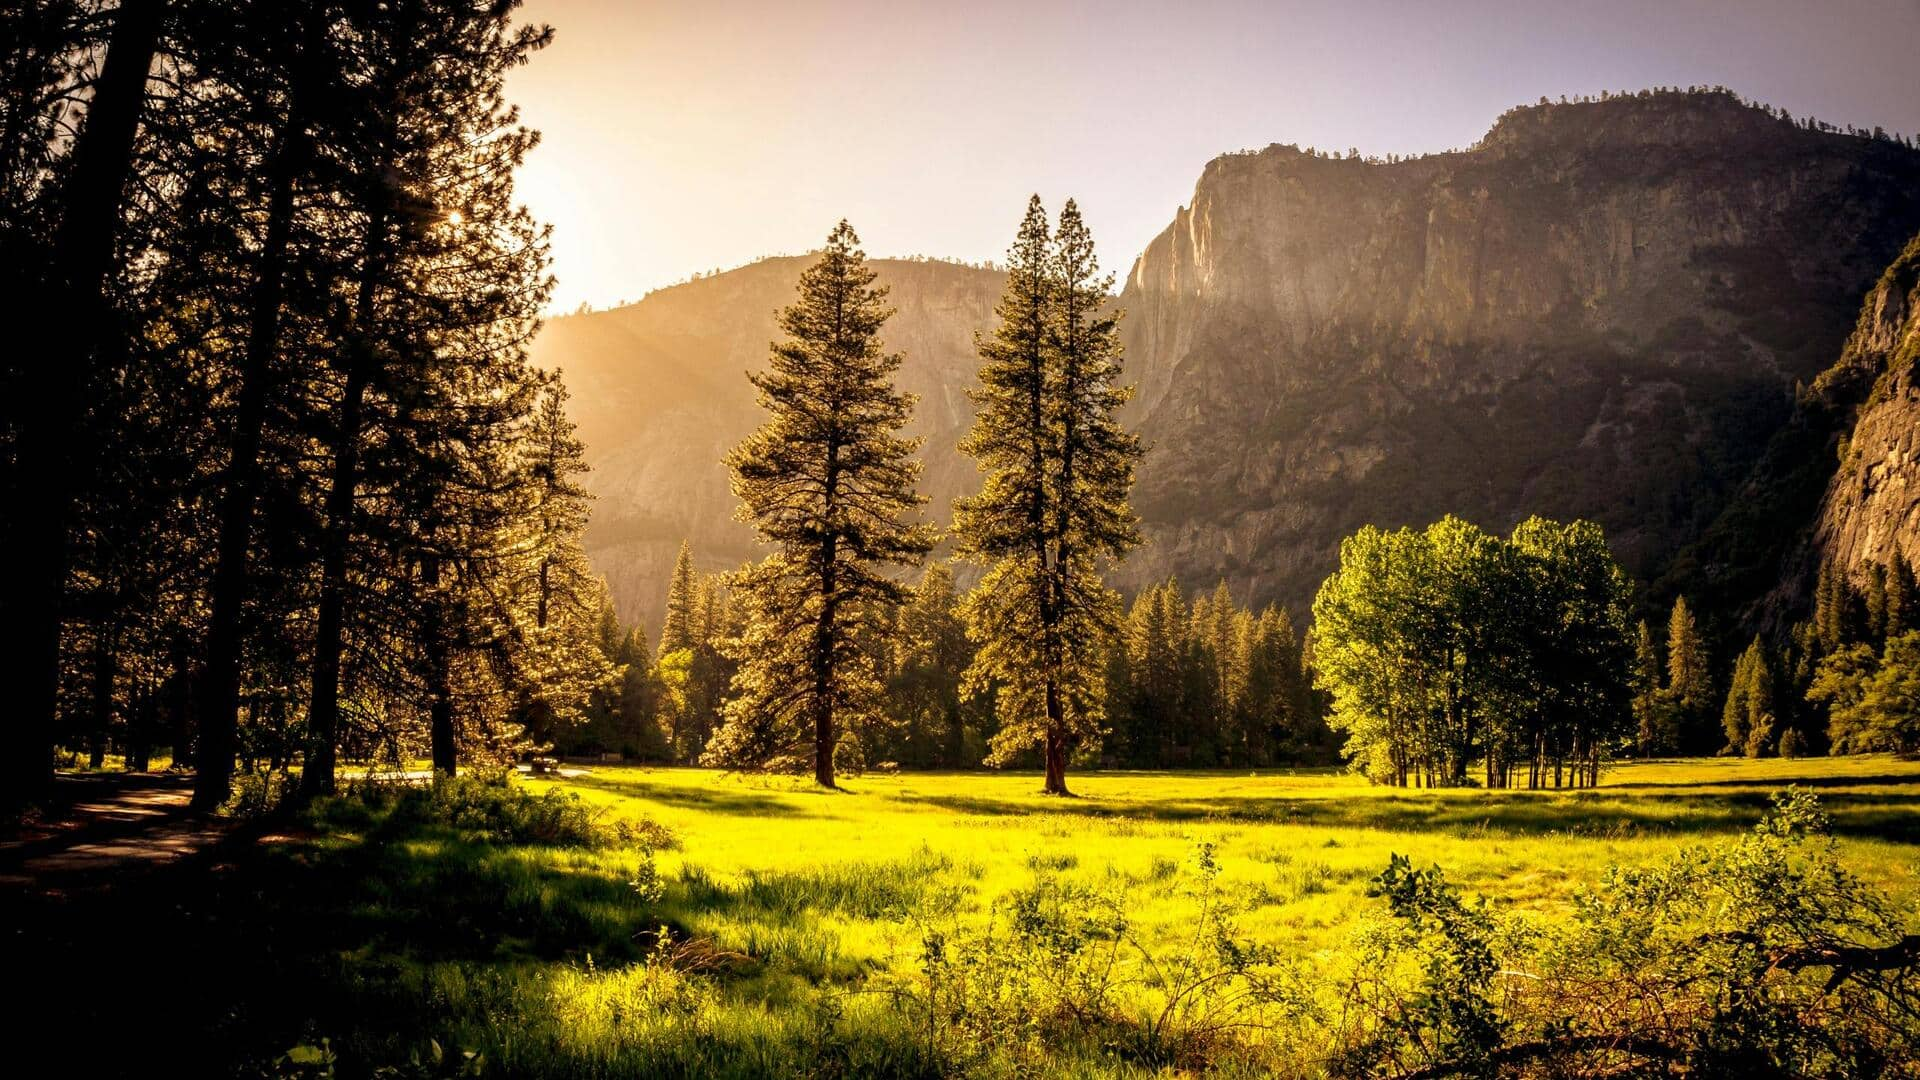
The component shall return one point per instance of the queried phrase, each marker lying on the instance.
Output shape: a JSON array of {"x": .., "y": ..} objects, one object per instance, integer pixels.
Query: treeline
[
  {"x": 1846, "y": 679},
  {"x": 1447, "y": 650},
  {"x": 279, "y": 480},
  {"x": 1193, "y": 682}
]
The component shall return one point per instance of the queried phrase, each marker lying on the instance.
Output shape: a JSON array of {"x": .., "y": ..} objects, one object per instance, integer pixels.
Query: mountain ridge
[{"x": 1601, "y": 309}]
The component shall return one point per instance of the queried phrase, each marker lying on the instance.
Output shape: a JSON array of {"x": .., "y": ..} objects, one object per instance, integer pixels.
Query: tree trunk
[
  {"x": 1056, "y": 744},
  {"x": 49, "y": 465},
  {"x": 323, "y": 715},
  {"x": 104, "y": 670},
  {"x": 139, "y": 744},
  {"x": 823, "y": 733},
  {"x": 439, "y": 676},
  {"x": 221, "y": 682}
]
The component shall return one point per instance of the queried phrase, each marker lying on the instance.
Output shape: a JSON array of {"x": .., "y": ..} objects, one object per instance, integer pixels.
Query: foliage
[
  {"x": 828, "y": 482},
  {"x": 1447, "y": 646},
  {"x": 493, "y": 808},
  {"x": 1053, "y": 504},
  {"x": 1873, "y": 700}
]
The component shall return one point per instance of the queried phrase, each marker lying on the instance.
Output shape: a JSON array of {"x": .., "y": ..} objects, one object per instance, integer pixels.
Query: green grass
[
  {"x": 1302, "y": 845},
  {"x": 793, "y": 914}
]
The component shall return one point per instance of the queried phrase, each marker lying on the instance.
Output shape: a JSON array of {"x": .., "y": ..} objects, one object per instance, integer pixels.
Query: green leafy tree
[
  {"x": 828, "y": 481},
  {"x": 1447, "y": 646},
  {"x": 1873, "y": 701}
]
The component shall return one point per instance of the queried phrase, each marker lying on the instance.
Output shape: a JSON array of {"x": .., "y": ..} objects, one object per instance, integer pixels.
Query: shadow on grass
[
  {"x": 742, "y": 802},
  {"x": 1906, "y": 779},
  {"x": 1890, "y": 817},
  {"x": 380, "y": 933}
]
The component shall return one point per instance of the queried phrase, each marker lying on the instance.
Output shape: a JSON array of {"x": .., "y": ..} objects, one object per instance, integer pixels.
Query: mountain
[
  {"x": 1622, "y": 309},
  {"x": 1871, "y": 508},
  {"x": 660, "y": 394},
  {"x": 1601, "y": 310}
]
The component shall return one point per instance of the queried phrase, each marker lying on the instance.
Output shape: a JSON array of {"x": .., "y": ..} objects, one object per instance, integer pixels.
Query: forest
[{"x": 316, "y": 692}]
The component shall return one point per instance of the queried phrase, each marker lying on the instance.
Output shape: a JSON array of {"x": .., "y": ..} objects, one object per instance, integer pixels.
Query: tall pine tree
[
  {"x": 1053, "y": 506},
  {"x": 828, "y": 481},
  {"x": 1689, "y": 690},
  {"x": 683, "y": 598}
]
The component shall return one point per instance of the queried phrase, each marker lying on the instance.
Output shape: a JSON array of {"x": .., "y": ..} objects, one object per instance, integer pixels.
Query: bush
[
  {"x": 1793, "y": 744},
  {"x": 1058, "y": 964},
  {"x": 1760, "y": 956},
  {"x": 255, "y": 795},
  {"x": 491, "y": 806}
]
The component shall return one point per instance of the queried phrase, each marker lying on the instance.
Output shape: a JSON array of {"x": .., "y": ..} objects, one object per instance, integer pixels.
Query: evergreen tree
[
  {"x": 1053, "y": 505},
  {"x": 1903, "y": 594},
  {"x": 682, "y": 598},
  {"x": 1874, "y": 603},
  {"x": 1689, "y": 690},
  {"x": 828, "y": 481},
  {"x": 1648, "y": 712},
  {"x": 1736, "y": 717},
  {"x": 925, "y": 687},
  {"x": 448, "y": 276}
]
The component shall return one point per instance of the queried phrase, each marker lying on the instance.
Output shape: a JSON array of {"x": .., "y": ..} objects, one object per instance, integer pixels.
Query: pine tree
[
  {"x": 1689, "y": 685},
  {"x": 448, "y": 276},
  {"x": 828, "y": 481},
  {"x": 1903, "y": 594},
  {"x": 934, "y": 653},
  {"x": 677, "y": 631},
  {"x": 1874, "y": 603},
  {"x": 1735, "y": 714},
  {"x": 1054, "y": 505},
  {"x": 1648, "y": 712}
]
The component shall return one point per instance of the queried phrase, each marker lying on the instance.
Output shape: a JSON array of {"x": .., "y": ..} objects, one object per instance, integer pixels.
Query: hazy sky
[{"x": 684, "y": 136}]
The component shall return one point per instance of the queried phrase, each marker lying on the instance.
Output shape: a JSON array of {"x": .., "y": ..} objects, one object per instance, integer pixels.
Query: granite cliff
[
  {"x": 1871, "y": 510},
  {"x": 1601, "y": 310}
]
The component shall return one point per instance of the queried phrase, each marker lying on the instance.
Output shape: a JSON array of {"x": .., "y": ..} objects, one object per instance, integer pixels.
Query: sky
[{"x": 681, "y": 137}]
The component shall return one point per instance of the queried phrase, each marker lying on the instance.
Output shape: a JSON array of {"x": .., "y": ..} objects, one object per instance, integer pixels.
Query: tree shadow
[
  {"x": 743, "y": 803},
  {"x": 1890, "y": 817}
]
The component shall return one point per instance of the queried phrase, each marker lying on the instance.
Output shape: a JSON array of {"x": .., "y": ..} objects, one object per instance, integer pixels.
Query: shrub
[
  {"x": 491, "y": 806},
  {"x": 1755, "y": 956},
  {"x": 255, "y": 795},
  {"x": 1056, "y": 964},
  {"x": 1793, "y": 744}
]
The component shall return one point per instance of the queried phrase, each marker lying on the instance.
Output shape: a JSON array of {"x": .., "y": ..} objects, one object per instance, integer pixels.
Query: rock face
[
  {"x": 1601, "y": 311},
  {"x": 1871, "y": 510},
  {"x": 660, "y": 395}
]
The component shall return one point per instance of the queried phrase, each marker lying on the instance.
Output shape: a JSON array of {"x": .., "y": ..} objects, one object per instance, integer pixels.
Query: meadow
[{"x": 757, "y": 926}]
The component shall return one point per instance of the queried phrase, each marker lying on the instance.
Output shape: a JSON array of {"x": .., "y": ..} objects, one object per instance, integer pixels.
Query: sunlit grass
[
  {"x": 1300, "y": 846},
  {"x": 788, "y": 918}
]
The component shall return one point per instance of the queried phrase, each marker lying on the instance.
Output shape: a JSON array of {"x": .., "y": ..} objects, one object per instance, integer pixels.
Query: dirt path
[{"x": 113, "y": 824}]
